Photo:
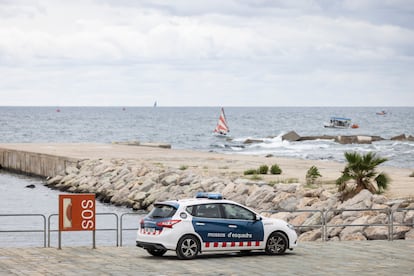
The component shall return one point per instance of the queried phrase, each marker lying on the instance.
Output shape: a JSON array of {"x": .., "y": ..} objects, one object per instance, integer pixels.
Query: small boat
[
  {"x": 383, "y": 112},
  {"x": 155, "y": 104},
  {"x": 337, "y": 122},
  {"x": 222, "y": 128}
]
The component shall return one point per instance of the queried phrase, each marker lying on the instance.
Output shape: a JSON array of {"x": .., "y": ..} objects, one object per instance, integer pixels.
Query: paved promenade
[{"x": 311, "y": 258}]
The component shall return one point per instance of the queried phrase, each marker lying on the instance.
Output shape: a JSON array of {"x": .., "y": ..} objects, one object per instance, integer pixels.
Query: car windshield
[{"x": 162, "y": 211}]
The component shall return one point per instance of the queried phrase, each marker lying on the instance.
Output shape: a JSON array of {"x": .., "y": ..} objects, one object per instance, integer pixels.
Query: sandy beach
[{"x": 215, "y": 164}]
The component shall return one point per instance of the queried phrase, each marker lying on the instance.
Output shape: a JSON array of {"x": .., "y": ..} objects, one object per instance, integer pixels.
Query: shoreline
[{"x": 211, "y": 164}]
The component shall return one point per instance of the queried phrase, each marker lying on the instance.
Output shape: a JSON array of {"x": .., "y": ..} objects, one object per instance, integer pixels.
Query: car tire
[
  {"x": 187, "y": 247},
  {"x": 156, "y": 252},
  {"x": 276, "y": 244}
]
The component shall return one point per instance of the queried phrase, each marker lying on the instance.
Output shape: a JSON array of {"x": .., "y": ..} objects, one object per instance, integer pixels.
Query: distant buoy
[{"x": 355, "y": 126}]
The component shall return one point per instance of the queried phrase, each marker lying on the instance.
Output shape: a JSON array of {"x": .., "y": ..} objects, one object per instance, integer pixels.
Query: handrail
[
  {"x": 304, "y": 211},
  {"x": 99, "y": 229},
  {"x": 27, "y": 231},
  {"x": 127, "y": 229},
  {"x": 399, "y": 224},
  {"x": 385, "y": 210},
  {"x": 324, "y": 225}
]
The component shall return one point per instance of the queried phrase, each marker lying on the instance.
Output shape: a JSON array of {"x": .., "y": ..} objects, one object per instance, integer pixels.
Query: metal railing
[
  {"x": 43, "y": 230},
  {"x": 321, "y": 225},
  {"x": 400, "y": 224},
  {"x": 116, "y": 229},
  {"x": 127, "y": 229},
  {"x": 387, "y": 211},
  {"x": 321, "y": 222}
]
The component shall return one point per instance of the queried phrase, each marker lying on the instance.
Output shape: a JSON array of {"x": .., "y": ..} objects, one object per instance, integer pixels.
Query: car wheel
[
  {"x": 276, "y": 244},
  {"x": 187, "y": 247},
  {"x": 156, "y": 252}
]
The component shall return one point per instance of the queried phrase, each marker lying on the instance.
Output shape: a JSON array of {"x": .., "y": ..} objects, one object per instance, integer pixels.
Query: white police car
[{"x": 210, "y": 223}]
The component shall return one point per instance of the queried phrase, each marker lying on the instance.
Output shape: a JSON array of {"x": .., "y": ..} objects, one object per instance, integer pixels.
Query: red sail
[{"x": 222, "y": 127}]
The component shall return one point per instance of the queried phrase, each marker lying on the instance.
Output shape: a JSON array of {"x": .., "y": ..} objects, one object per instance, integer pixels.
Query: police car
[{"x": 210, "y": 223}]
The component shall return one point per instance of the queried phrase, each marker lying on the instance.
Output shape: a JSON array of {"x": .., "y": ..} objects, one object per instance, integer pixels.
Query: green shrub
[
  {"x": 183, "y": 167},
  {"x": 312, "y": 174},
  {"x": 275, "y": 169},
  {"x": 250, "y": 172},
  {"x": 263, "y": 169}
]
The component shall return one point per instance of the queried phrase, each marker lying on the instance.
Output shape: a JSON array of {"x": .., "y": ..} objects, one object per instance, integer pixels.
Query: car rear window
[{"x": 162, "y": 211}]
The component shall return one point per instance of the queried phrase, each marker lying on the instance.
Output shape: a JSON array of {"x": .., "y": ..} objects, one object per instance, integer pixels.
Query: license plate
[{"x": 149, "y": 230}]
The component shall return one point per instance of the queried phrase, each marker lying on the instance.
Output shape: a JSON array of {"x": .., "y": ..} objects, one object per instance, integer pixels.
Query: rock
[
  {"x": 376, "y": 232},
  {"x": 353, "y": 228},
  {"x": 400, "y": 137},
  {"x": 300, "y": 219},
  {"x": 361, "y": 201},
  {"x": 251, "y": 141},
  {"x": 54, "y": 180},
  {"x": 332, "y": 230},
  {"x": 291, "y": 136},
  {"x": 399, "y": 232},
  {"x": 289, "y": 203},
  {"x": 379, "y": 199},
  {"x": 409, "y": 235},
  {"x": 288, "y": 188},
  {"x": 170, "y": 179},
  {"x": 354, "y": 237},
  {"x": 310, "y": 235},
  {"x": 260, "y": 196},
  {"x": 30, "y": 186}
]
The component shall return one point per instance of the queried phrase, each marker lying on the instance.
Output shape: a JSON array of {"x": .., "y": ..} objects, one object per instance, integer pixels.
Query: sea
[{"x": 189, "y": 128}]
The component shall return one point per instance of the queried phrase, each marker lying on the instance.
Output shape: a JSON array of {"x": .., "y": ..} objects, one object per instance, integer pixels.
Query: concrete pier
[{"x": 49, "y": 160}]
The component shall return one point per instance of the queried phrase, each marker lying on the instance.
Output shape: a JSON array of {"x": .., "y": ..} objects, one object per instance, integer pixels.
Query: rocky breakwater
[{"x": 138, "y": 185}]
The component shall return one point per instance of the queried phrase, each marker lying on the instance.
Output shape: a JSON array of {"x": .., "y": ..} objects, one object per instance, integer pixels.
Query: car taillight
[{"x": 168, "y": 223}]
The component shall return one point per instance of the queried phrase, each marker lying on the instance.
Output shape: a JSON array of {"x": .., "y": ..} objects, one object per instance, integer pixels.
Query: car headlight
[{"x": 290, "y": 226}]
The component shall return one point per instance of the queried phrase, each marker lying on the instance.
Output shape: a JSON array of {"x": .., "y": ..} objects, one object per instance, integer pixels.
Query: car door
[
  {"x": 208, "y": 223},
  {"x": 244, "y": 229},
  {"x": 226, "y": 226}
]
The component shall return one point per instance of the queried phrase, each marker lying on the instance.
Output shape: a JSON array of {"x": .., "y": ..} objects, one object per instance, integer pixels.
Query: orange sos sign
[{"x": 76, "y": 212}]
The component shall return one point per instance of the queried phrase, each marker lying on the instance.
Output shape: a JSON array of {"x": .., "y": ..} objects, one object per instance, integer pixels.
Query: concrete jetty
[{"x": 51, "y": 159}]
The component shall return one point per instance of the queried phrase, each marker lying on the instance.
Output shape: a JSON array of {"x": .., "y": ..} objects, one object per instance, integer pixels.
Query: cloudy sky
[{"x": 207, "y": 52}]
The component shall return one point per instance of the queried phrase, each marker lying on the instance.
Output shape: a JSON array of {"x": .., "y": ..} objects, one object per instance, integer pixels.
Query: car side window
[
  {"x": 232, "y": 211},
  {"x": 206, "y": 211}
]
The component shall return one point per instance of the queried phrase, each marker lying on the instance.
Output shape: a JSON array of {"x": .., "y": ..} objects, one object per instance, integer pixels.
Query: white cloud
[{"x": 199, "y": 52}]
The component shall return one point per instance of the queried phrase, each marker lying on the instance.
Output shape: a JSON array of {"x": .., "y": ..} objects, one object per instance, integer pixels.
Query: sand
[{"x": 215, "y": 164}]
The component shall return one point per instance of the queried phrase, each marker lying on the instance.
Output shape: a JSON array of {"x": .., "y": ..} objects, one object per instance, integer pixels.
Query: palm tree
[{"x": 361, "y": 169}]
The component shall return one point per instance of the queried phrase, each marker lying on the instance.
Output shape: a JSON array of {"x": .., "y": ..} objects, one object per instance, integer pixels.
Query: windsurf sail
[{"x": 222, "y": 127}]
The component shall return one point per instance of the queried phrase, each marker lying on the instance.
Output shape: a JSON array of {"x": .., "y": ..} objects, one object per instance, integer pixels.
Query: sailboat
[{"x": 222, "y": 128}]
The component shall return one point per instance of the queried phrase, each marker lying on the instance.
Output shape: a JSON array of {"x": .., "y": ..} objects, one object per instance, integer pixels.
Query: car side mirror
[{"x": 257, "y": 218}]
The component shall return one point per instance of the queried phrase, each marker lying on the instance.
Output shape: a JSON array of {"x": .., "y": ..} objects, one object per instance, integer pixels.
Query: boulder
[
  {"x": 251, "y": 141},
  {"x": 400, "y": 137},
  {"x": 310, "y": 235},
  {"x": 291, "y": 136},
  {"x": 354, "y": 237},
  {"x": 376, "y": 232},
  {"x": 170, "y": 179},
  {"x": 409, "y": 235}
]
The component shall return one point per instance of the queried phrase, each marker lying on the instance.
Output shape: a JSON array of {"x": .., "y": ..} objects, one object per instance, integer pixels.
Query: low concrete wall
[{"x": 31, "y": 163}]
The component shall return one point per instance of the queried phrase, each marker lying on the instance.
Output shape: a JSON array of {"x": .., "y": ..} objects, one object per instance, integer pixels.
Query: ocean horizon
[{"x": 191, "y": 128}]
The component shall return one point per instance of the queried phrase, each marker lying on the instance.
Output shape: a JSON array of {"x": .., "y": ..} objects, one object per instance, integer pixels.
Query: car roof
[{"x": 194, "y": 201}]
